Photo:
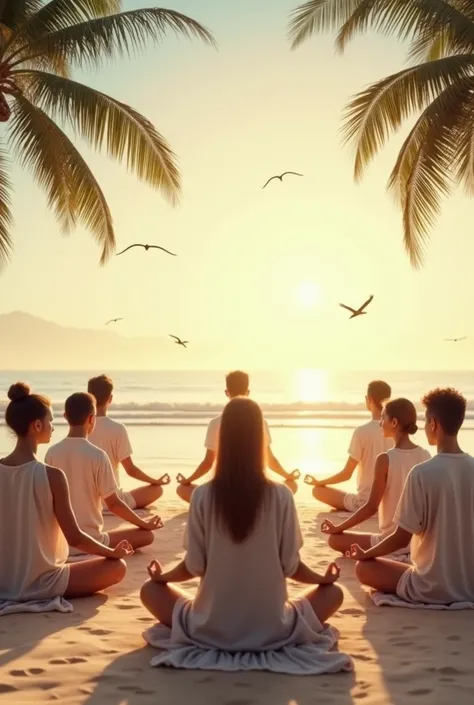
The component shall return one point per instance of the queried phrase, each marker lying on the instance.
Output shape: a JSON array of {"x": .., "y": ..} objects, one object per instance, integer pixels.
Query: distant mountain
[{"x": 31, "y": 343}]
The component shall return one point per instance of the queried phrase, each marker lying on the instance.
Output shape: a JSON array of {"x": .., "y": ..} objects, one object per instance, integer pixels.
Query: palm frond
[
  {"x": 106, "y": 122},
  {"x": 463, "y": 165},
  {"x": 433, "y": 167},
  {"x": 430, "y": 46},
  {"x": 405, "y": 18},
  {"x": 317, "y": 16},
  {"x": 380, "y": 109},
  {"x": 93, "y": 41},
  {"x": 62, "y": 172},
  {"x": 6, "y": 219},
  {"x": 15, "y": 12}
]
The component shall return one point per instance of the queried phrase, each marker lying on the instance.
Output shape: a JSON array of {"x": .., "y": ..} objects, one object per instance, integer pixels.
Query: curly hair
[{"x": 448, "y": 407}]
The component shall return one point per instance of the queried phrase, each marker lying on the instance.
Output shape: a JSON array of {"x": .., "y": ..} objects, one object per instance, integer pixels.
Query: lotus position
[
  {"x": 391, "y": 471},
  {"x": 367, "y": 443},
  {"x": 435, "y": 513},
  {"x": 112, "y": 437},
  {"x": 91, "y": 480},
  {"x": 242, "y": 541},
  {"x": 237, "y": 385},
  {"x": 37, "y": 521}
]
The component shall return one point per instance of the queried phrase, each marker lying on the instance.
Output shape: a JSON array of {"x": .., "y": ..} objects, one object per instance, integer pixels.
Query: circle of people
[{"x": 242, "y": 539}]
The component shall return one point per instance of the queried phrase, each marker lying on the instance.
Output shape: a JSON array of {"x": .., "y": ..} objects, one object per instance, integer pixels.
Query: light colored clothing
[
  {"x": 91, "y": 480},
  {"x": 258, "y": 615},
  {"x": 437, "y": 507},
  {"x": 353, "y": 502},
  {"x": 33, "y": 550},
  {"x": 366, "y": 445},
  {"x": 400, "y": 463},
  {"x": 212, "y": 435},
  {"x": 112, "y": 437}
]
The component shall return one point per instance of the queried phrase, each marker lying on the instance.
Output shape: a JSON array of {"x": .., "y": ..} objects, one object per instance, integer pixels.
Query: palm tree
[
  {"x": 39, "y": 45},
  {"x": 438, "y": 86}
]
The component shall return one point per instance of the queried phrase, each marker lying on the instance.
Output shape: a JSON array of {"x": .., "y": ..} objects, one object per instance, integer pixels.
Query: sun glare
[{"x": 308, "y": 295}]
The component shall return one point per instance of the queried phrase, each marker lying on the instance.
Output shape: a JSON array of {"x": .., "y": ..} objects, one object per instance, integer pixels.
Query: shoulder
[
  {"x": 282, "y": 493},
  {"x": 201, "y": 497},
  {"x": 96, "y": 453},
  {"x": 215, "y": 421},
  {"x": 55, "y": 447},
  {"x": 55, "y": 475},
  {"x": 425, "y": 467}
]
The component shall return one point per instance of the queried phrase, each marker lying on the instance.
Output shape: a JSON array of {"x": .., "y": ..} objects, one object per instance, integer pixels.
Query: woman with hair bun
[
  {"x": 36, "y": 519},
  {"x": 391, "y": 470}
]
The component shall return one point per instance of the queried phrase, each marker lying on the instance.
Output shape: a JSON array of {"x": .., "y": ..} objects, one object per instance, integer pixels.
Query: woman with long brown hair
[{"x": 243, "y": 541}]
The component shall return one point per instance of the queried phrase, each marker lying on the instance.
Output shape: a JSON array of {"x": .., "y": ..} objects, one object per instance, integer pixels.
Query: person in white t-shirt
[
  {"x": 112, "y": 437},
  {"x": 391, "y": 471},
  {"x": 366, "y": 444},
  {"x": 237, "y": 385},
  {"x": 91, "y": 480},
  {"x": 436, "y": 514}
]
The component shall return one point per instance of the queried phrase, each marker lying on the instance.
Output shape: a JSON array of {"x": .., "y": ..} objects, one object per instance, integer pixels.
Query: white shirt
[
  {"x": 112, "y": 437},
  {"x": 437, "y": 507},
  {"x": 367, "y": 443},
  {"x": 90, "y": 478},
  {"x": 400, "y": 463},
  {"x": 212, "y": 435}
]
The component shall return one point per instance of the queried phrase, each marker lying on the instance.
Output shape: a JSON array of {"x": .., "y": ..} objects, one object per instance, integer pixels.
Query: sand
[{"x": 96, "y": 655}]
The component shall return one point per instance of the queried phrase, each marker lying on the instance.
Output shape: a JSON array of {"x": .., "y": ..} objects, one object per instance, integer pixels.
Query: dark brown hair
[
  {"x": 101, "y": 388},
  {"x": 237, "y": 383},
  {"x": 240, "y": 485},
  {"x": 448, "y": 407},
  {"x": 24, "y": 409},
  {"x": 79, "y": 407},
  {"x": 379, "y": 392},
  {"x": 404, "y": 412}
]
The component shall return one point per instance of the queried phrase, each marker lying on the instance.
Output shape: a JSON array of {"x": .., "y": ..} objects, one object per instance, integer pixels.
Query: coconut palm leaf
[
  {"x": 61, "y": 171},
  {"x": 318, "y": 16},
  {"x": 14, "y": 12},
  {"x": 379, "y": 110},
  {"x": 107, "y": 123},
  {"x": 6, "y": 219},
  {"x": 97, "y": 40}
]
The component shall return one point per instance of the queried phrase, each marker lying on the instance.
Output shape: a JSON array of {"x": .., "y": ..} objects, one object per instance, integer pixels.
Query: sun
[{"x": 308, "y": 295}]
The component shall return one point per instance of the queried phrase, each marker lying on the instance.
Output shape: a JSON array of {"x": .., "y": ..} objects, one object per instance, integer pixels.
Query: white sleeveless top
[
  {"x": 33, "y": 549},
  {"x": 400, "y": 462}
]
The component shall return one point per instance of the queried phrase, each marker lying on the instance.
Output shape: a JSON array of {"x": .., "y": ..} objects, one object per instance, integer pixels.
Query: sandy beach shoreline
[{"x": 97, "y": 655}]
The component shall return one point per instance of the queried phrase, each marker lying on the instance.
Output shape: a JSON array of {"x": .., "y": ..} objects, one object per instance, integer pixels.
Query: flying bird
[
  {"x": 455, "y": 340},
  {"x": 146, "y": 247},
  {"x": 280, "y": 176},
  {"x": 360, "y": 311},
  {"x": 114, "y": 320},
  {"x": 178, "y": 341}
]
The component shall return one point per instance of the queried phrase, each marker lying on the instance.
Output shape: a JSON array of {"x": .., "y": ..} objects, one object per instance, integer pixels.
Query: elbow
[
  {"x": 371, "y": 509},
  {"x": 75, "y": 538}
]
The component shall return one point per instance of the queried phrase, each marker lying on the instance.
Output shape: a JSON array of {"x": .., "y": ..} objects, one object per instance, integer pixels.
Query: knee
[
  {"x": 317, "y": 492},
  {"x": 146, "y": 590},
  {"x": 337, "y": 596},
  {"x": 119, "y": 569},
  {"x": 158, "y": 491},
  {"x": 334, "y": 542},
  {"x": 362, "y": 571},
  {"x": 148, "y": 538},
  {"x": 180, "y": 490}
]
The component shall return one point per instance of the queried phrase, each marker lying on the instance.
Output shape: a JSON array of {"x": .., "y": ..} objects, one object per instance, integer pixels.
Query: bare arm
[
  {"x": 396, "y": 541},
  {"x": 341, "y": 476},
  {"x": 204, "y": 467},
  {"x": 304, "y": 574},
  {"x": 118, "y": 507},
  {"x": 67, "y": 519},
  {"x": 376, "y": 493},
  {"x": 274, "y": 464},
  {"x": 132, "y": 470}
]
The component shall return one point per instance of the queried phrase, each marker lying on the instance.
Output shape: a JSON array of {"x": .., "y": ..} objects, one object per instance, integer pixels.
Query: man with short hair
[{"x": 237, "y": 385}]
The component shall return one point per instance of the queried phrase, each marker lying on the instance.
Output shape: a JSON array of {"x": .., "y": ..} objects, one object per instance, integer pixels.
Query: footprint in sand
[
  {"x": 354, "y": 612},
  {"x": 396, "y": 642},
  {"x": 359, "y": 696},
  {"x": 362, "y": 657},
  {"x": 128, "y": 607},
  {"x": 49, "y": 686},
  {"x": 454, "y": 637},
  {"x": 4, "y": 688},
  {"x": 146, "y": 619},
  {"x": 65, "y": 661},
  {"x": 420, "y": 691},
  {"x": 27, "y": 672},
  {"x": 450, "y": 671}
]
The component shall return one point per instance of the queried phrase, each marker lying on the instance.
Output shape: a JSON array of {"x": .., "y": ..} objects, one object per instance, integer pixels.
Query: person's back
[
  {"x": 111, "y": 437},
  {"x": 86, "y": 469},
  {"x": 33, "y": 550},
  {"x": 367, "y": 444},
  {"x": 400, "y": 463},
  {"x": 267, "y": 556},
  {"x": 441, "y": 491}
]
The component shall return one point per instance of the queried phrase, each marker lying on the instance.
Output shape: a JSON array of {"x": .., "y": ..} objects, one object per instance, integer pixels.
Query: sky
[{"x": 259, "y": 273}]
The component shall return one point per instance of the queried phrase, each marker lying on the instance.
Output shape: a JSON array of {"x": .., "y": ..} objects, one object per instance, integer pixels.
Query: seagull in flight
[
  {"x": 146, "y": 247},
  {"x": 178, "y": 341},
  {"x": 114, "y": 320},
  {"x": 455, "y": 340},
  {"x": 280, "y": 176},
  {"x": 357, "y": 312}
]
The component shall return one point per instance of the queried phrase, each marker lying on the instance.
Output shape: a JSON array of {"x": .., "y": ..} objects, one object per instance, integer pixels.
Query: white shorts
[
  {"x": 126, "y": 497},
  {"x": 403, "y": 554},
  {"x": 353, "y": 502}
]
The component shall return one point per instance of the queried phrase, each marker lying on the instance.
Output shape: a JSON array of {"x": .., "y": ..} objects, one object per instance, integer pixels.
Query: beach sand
[{"x": 96, "y": 655}]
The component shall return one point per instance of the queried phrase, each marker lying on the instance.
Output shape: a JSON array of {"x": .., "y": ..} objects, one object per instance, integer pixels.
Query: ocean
[{"x": 311, "y": 413}]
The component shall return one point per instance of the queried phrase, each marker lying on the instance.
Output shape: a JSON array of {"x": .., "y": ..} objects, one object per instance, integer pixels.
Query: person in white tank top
[
  {"x": 36, "y": 518},
  {"x": 398, "y": 422}
]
